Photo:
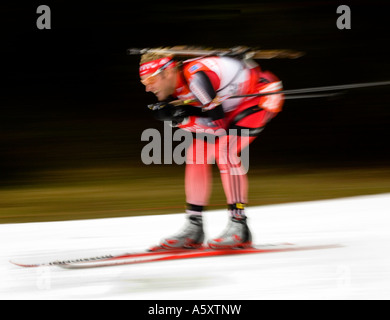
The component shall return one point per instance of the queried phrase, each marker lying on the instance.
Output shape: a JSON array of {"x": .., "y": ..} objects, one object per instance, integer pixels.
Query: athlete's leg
[
  {"x": 198, "y": 177},
  {"x": 232, "y": 170}
]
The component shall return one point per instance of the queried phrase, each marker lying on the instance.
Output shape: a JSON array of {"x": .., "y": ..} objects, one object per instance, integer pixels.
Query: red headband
[{"x": 153, "y": 66}]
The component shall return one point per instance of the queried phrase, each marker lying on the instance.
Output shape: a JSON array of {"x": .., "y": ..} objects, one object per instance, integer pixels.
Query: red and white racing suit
[{"x": 203, "y": 80}]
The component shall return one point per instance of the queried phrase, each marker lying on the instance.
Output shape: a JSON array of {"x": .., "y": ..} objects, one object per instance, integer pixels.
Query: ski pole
[{"x": 296, "y": 93}]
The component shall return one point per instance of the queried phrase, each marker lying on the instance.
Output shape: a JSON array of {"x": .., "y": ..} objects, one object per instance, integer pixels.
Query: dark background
[{"x": 71, "y": 96}]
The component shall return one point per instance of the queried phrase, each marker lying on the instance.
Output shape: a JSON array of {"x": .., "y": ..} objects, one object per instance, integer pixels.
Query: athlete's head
[{"x": 158, "y": 73}]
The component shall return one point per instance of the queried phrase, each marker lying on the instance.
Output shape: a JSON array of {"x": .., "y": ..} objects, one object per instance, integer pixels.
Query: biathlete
[{"x": 203, "y": 81}]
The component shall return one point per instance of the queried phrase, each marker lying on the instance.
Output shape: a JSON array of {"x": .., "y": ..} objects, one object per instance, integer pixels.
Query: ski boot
[
  {"x": 191, "y": 237},
  {"x": 236, "y": 236}
]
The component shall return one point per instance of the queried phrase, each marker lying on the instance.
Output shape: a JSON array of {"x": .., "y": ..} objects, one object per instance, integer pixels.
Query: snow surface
[{"x": 358, "y": 269}]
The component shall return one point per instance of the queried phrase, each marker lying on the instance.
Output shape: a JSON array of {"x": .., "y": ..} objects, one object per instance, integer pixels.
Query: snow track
[{"x": 358, "y": 269}]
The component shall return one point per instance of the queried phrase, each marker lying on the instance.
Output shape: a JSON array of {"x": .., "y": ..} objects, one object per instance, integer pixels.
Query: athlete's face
[{"x": 162, "y": 85}]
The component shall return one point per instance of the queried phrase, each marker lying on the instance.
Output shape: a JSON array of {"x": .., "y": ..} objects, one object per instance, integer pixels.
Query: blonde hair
[{"x": 151, "y": 56}]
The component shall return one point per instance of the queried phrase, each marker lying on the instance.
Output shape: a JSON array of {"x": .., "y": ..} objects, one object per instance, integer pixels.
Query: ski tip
[{"x": 24, "y": 265}]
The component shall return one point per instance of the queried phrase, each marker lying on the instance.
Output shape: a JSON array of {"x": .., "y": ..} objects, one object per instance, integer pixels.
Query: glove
[{"x": 164, "y": 111}]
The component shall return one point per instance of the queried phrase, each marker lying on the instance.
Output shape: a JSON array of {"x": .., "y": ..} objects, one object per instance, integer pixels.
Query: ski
[{"x": 159, "y": 254}]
